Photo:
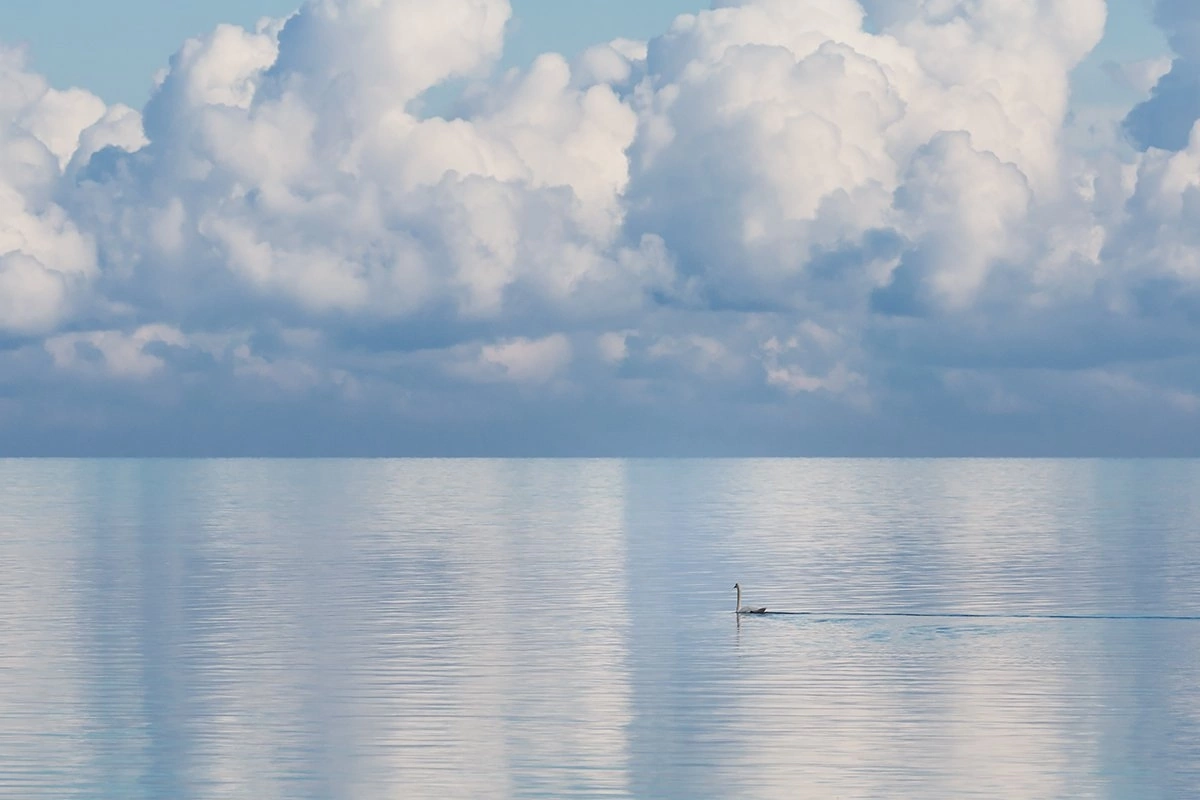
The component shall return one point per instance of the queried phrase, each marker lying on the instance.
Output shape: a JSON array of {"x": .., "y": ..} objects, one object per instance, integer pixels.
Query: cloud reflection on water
[{"x": 562, "y": 629}]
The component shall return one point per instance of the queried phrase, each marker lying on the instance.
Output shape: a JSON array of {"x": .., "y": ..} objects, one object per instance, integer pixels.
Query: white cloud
[
  {"x": 31, "y": 296},
  {"x": 613, "y": 346},
  {"x": 814, "y": 359},
  {"x": 778, "y": 130},
  {"x": 45, "y": 259},
  {"x": 288, "y": 158},
  {"x": 57, "y": 119},
  {"x": 519, "y": 361},
  {"x": 119, "y": 354},
  {"x": 796, "y": 380},
  {"x": 523, "y": 360},
  {"x": 768, "y": 204}
]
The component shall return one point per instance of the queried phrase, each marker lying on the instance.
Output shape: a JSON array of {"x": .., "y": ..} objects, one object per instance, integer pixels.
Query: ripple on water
[{"x": 515, "y": 629}]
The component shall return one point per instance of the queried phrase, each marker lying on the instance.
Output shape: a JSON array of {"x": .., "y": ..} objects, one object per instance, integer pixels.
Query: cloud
[
  {"x": 1140, "y": 76},
  {"x": 814, "y": 359},
  {"x": 46, "y": 261},
  {"x": 833, "y": 227},
  {"x": 118, "y": 354},
  {"x": 287, "y": 166},
  {"x": 1165, "y": 120},
  {"x": 520, "y": 361},
  {"x": 779, "y": 133}
]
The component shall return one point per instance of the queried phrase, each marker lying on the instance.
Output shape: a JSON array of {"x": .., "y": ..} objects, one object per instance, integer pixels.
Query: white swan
[{"x": 741, "y": 609}]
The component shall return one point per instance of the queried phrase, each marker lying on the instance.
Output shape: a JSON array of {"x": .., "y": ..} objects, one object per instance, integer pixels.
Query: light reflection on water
[{"x": 505, "y": 629}]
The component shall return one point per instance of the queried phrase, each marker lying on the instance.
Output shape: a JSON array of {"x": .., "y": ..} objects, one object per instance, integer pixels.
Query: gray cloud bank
[{"x": 781, "y": 227}]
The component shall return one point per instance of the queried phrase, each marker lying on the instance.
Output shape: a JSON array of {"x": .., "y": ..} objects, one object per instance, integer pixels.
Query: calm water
[{"x": 562, "y": 629}]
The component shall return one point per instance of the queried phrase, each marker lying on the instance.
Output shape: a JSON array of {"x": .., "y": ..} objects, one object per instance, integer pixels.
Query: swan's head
[{"x": 737, "y": 586}]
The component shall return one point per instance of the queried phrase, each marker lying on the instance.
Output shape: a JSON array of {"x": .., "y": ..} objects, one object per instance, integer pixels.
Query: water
[{"x": 562, "y": 629}]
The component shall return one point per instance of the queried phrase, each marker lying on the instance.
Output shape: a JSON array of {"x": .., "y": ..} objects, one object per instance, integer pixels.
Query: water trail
[{"x": 959, "y": 615}]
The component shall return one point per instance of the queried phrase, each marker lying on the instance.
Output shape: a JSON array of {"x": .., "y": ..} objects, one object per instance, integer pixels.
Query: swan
[{"x": 741, "y": 609}]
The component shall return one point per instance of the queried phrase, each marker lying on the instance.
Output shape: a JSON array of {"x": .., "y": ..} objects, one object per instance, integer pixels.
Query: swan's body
[{"x": 741, "y": 609}]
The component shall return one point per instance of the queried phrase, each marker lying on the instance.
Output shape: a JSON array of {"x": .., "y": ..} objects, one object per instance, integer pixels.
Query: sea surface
[{"x": 564, "y": 629}]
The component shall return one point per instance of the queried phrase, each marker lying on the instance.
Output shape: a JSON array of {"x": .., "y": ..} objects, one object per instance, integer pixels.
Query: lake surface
[{"x": 563, "y": 629}]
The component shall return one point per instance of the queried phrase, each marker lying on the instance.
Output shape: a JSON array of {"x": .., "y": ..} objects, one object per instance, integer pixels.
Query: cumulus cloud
[
  {"x": 115, "y": 352},
  {"x": 520, "y": 361},
  {"x": 833, "y": 225},
  {"x": 1165, "y": 120},
  {"x": 790, "y": 133},
  {"x": 45, "y": 259}
]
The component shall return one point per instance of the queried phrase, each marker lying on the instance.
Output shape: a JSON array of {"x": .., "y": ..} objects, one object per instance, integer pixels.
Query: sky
[
  {"x": 772, "y": 227},
  {"x": 113, "y": 49}
]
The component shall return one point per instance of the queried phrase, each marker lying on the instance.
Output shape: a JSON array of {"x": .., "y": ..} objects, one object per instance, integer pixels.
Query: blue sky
[
  {"x": 772, "y": 230},
  {"x": 114, "y": 48}
]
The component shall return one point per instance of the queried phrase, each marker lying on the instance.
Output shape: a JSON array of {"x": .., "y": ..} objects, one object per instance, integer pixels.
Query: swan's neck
[{"x": 739, "y": 597}]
